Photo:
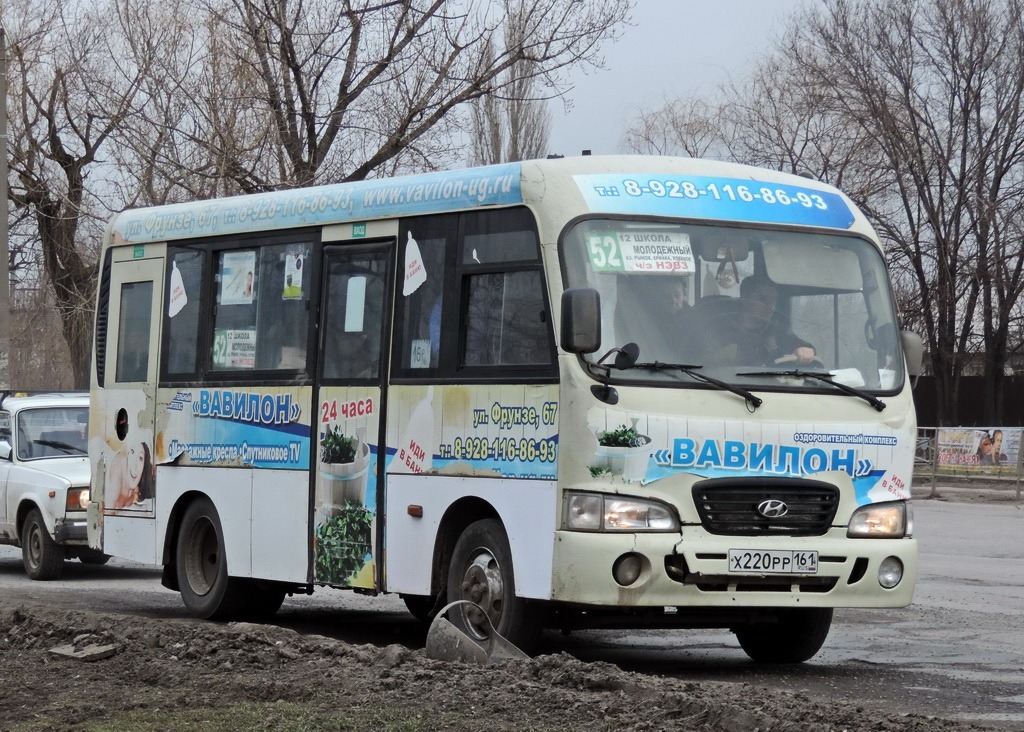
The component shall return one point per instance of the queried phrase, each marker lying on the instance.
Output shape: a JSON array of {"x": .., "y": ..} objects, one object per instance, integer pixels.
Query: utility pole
[{"x": 5, "y": 249}]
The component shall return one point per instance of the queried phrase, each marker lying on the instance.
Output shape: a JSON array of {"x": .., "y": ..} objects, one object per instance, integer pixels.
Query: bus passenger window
[
  {"x": 133, "y": 332},
  {"x": 506, "y": 322},
  {"x": 353, "y": 316},
  {"x": 421, "y": 344},
  {"x": 262, "y": 316},
  {"x": 184, "y": 288}
]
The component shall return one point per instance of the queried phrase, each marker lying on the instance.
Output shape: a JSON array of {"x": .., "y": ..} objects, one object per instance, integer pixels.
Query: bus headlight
[
  {"x": 880, "y": 521},
  {"x": 599, "y": 512},
  {"x": 77, "y": 500}
]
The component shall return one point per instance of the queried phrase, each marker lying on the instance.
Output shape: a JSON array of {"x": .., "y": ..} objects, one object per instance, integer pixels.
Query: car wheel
[
  {"x": 201, "y": 561},
  {"x": 481, "y": 571},
  {"x": 42, "y": 556},
  {"x": 797, "y": 635}
]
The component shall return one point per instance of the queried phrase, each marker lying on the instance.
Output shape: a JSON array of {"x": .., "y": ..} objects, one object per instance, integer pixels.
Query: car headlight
[
  {"x": 599, "y": 512},
  {"x": 77, "y": 500},
  {"x": 881, "y": 521}
]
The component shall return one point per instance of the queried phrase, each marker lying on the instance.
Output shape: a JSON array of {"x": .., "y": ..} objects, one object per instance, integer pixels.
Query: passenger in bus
[
  {"x": 129, "y": 476},
  {"x": 752, "y": 333}
]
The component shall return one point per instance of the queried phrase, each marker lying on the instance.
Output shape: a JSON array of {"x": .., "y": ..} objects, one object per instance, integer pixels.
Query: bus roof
[{"x": 640, "y": 185}]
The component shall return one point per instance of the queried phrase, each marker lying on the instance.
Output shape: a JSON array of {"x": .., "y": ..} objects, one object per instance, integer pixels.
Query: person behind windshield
[
  {"x": 755, "y": 331},
  {"x": 653, "y": 311}
]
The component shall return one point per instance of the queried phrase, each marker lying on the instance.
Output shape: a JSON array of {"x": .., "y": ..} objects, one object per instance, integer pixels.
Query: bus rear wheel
[
  {"x": 206, "y": 589},
  {"x": 481, "y": 571},
  {"x": 797, "y": 635},
  {"x": 264, "y": 599}
]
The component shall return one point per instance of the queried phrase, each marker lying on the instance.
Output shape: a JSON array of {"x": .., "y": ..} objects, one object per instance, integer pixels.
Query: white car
[{"x": 44, "y": 480}]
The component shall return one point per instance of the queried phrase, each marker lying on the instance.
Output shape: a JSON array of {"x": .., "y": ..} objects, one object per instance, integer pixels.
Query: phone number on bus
[
  {"x": 501, "y": 448},
  {"x": 724, "y": 192}
]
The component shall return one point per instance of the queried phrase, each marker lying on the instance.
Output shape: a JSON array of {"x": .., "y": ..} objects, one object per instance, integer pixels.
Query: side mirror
[
  {"x": 6, "y": 451},
  {"x": 581, "y": 320},
  {"x": 913, "y": 350}
]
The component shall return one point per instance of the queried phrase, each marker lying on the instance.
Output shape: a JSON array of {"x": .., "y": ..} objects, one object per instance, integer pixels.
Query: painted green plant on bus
[
  {"x": 623, "y": 436},
  {"x": 342, "y": 543},
  {"x": 335, "y": 447}
]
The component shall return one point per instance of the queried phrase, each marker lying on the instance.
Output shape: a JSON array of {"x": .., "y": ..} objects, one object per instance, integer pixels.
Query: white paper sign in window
[
  {"x": 415, "y": 272},
  {"x": 178, "y": 298}
]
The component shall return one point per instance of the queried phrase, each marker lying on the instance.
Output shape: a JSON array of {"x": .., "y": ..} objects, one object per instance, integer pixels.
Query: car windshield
[
  {"x": 749, "y": 307},
  {"x": 52, "y": 432}
]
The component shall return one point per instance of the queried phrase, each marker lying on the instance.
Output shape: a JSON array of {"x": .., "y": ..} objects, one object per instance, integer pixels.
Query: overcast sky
[{"x": 673, "y": 48}]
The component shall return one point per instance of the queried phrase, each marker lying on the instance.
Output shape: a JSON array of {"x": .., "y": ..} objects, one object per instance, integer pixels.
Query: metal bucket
[{"x": 445, "y": 642}]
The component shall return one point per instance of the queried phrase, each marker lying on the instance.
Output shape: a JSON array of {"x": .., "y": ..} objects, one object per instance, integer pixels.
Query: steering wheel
[{"x": 790, "y": 359}]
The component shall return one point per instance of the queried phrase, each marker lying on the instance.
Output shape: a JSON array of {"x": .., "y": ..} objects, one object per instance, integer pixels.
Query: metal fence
[{"x": 929, "y": 471}]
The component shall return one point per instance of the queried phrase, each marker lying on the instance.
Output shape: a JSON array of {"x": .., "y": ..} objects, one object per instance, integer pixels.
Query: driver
[{"x": 755, "y": 330}]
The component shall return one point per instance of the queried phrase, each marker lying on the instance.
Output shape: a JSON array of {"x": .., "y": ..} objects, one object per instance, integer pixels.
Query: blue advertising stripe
[
  {"x": 704, "y": 197},
  {"x": 322, "y": 205}
]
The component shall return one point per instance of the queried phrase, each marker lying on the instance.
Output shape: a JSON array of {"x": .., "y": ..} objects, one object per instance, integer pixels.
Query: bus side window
[
  {"x": 505, "y": 317},
  {"x": 421, "y": 304},
  {"x": 353, "y": 316},
  {"x": 261, "y": 319},
  {"x": 133, "y": 332},
  {"x": 506, "y": 322},
  {"x": 184, "y": 290}
]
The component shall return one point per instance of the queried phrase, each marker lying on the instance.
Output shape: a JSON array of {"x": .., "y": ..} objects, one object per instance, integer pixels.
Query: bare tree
[
  {"x": 912, "y": 107},
  {"x": 126, "y": 102},
  {"x": 67, "y": 95},
  {"x": 690, "y": 127},
  {"x": 513, "y": 123},
  {"x": 936, "y": 88},
  {"x": 295, "y": 92}
]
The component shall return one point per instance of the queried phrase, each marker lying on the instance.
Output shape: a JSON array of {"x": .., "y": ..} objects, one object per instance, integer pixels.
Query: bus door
[
  {"x": 348, "y": 461},
  {"x": 122, "y": 444}
]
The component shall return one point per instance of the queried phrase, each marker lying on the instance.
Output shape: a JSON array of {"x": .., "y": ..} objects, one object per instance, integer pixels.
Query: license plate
[{"x": 772, "y": 561}]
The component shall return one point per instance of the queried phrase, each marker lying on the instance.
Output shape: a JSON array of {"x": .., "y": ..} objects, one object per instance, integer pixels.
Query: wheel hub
[{"x": 481, "y": 584}]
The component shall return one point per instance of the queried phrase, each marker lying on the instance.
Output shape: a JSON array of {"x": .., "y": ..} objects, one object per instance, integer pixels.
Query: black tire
[
  {"x": 422, "y": 607},
  {"x": 481, "y": 571},
  {"x": 95, "y": 558},
  {"x": 42, "y": 556},
  {"x": 203, "y": 581},
  {"x": 794, "y": 638},
  {"x": 263, "y": 601}
]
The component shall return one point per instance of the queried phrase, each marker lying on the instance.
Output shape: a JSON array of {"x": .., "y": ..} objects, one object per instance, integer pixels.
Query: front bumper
[
  {"x": 71, "y": 531},
  {"x": 690, "y": 569}
]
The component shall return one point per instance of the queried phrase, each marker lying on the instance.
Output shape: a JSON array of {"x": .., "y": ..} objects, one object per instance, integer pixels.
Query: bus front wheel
[
  {"x": 206, "y": 589},
  {"x": 797, "y": 635},
  {"x": 481, "y": 571}
]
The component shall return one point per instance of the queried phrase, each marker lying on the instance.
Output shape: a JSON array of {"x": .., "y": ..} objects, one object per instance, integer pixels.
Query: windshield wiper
[
  {"x": 690, "y": 369},
  {"x": 57, "y": 445},
  {"x": 871, "y": 399}
]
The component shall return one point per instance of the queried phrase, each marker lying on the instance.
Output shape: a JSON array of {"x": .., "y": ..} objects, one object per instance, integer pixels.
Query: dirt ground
[
  {"x": 184, "y": 674},
  {"x": 181, "y": 674}
]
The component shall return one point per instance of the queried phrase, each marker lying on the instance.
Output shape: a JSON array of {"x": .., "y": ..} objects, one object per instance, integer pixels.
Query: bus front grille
[{"x": 765, "y": 506}]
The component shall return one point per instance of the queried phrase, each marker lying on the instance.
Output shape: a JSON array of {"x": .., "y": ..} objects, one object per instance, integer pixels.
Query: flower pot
[
  {"x": 342, "y": 483},
  {"x": 629, "y": 462}
]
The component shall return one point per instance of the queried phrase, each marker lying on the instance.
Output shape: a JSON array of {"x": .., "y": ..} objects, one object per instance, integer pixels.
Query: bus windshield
[{"x": 752, "y": 307}]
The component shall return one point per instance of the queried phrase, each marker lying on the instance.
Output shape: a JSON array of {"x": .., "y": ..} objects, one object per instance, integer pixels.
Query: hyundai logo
[{"x": 772, "y": 508}]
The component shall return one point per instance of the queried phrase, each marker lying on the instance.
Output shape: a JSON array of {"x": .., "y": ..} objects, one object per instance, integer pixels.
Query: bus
[{"x": 603, "y": 391}]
